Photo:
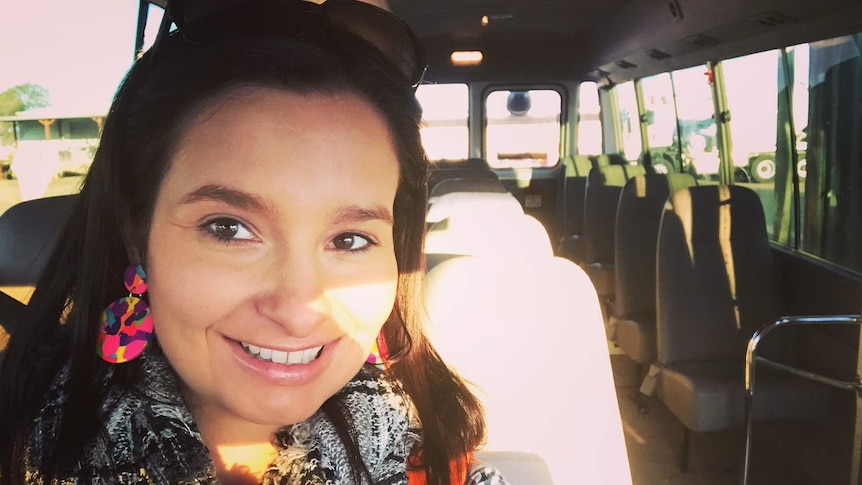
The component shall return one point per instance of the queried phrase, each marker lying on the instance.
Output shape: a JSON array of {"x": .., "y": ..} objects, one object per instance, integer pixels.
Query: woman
[{"x": 261, "y": 185}]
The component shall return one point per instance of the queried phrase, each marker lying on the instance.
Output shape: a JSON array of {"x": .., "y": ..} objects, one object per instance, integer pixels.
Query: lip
[{"x": 280, "y": 374}]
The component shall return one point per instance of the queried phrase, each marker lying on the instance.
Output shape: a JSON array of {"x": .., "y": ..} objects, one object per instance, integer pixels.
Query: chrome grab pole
[{"x": 752, "y": 359}]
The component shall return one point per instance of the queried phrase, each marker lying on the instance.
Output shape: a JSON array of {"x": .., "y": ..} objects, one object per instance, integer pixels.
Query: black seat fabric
[
  {"x": 638, "y": 217},
  {"x": 715, "y": 286},
  {"x": 604, "y": 185},
  {"x": 470, "y": 168},
  {"x": 449, "y": 186},
  {"x": 605, "y": 159},
  {"x": 573, "y": 189},
  {"x": 28, "y": 232}
]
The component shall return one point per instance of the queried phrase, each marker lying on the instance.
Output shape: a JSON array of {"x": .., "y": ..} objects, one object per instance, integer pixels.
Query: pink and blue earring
[
  {"x": 126, "y": 324},
  {"x": 379, "y": 352}
]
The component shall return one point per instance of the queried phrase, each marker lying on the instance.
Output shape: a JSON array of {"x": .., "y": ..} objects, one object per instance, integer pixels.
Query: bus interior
[{"x": 642, "y": 193}]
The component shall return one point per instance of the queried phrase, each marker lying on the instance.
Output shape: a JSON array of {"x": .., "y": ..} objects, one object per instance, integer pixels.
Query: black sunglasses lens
[
  {"x": 383, "y": 30},
  {"x": 201, "y": 21}
]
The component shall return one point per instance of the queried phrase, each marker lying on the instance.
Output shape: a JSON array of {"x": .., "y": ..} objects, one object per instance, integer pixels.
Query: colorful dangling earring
[
  {"x": 379, "y": 352},
  {"x": 126, "y": 324}
]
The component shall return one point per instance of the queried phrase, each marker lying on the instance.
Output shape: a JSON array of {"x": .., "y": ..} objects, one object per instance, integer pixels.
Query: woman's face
[{"x": 271, "y": 261}]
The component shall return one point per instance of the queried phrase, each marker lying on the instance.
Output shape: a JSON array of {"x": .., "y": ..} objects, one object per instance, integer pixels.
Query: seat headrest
[
  {"x": 449, "y": 186},
  {"x": 482, "y": 203},
  {"x": 505, "y": 236},
  {"x": 28, "y": 233}
]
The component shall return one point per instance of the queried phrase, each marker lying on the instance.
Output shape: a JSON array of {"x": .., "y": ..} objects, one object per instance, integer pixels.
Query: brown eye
[
  {"x": 227, "y": 229},
  {"x": 350, "y": 242}
]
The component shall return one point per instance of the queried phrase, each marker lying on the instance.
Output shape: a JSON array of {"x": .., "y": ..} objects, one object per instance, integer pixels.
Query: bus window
[
  {"x": 590, "y": 141},
  {"x": 829, "y": 147},
  {"x": 523, "y": 128},
  {"x": 660, "y": 113},
  {"x": 60, "y": 72},
  {"x": 444, "y": 129},
  {"x": 695, "y": 123},
  {"x": 632, "y": 144},
  {"x": 751, "y": 85}
]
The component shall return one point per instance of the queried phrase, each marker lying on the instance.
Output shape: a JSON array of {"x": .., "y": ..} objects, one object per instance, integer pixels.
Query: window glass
[
  {"x": 752, "y": 85},
  {"x": 523, "y": 128},
  {"x": 590, "y": 141},
  {"x": 629, "y": 121},
  {"x": 695, "y": 122},
  {"x": 445, "y": 109},
  {"x": 829, "y": 146},
  {"x": 59, "y": 74},
  {"x": 660, "y": 113}
]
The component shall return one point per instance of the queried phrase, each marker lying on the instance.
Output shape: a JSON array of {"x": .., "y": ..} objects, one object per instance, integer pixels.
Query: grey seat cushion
[
  {"x": 637, "y": 338},
  {"x": 710, "y": 396}
]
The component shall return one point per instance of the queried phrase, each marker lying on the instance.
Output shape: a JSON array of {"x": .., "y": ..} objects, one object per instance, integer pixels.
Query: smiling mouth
[{"x": 281, "y": 357}]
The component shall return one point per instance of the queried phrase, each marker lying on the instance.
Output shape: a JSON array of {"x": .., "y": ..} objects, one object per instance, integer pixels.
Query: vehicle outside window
[
  {"x": 62, "y": 63},
  {"x": 523, "y": 128}
]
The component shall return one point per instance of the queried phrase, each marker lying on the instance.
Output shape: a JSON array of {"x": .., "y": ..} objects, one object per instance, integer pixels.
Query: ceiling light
[{"x": 466, "y": 58}]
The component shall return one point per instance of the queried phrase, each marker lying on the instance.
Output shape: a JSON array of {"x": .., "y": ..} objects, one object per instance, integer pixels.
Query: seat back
[
  {"x": 478, "y": 203},
  {"x": 470, "y": 168},
  {"x": 638, "y": 216},
  {"x": 453, "y": 185},
  {"x": 715, "y": 278},
  {"x": 576, "y": 170},
  {"x": 541, "y": 368},
  {"x": 604, "y": 185},
  {"x": 605, "y": 159},
  {"x": 28, "y": 232},
  {"x": 504, "y": 236},
  {"x": 518, "y": 467}
]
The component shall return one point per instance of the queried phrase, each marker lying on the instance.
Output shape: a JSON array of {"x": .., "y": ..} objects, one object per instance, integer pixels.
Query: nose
[{"x": 294, "y": 296}]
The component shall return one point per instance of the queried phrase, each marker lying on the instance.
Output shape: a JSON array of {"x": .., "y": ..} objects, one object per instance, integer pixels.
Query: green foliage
[{"x": 23, "y": 97}]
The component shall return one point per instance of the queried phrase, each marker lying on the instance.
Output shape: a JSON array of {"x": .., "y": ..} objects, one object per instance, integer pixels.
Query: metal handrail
[{"x": 751, "y": 359}]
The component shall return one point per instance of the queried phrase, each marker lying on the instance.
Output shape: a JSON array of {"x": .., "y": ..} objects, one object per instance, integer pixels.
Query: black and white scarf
[{"x": 151, "y": 438}]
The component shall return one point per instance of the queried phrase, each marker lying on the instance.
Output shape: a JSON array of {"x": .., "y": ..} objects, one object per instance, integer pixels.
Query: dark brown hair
[{"x": 158, "y": 98}]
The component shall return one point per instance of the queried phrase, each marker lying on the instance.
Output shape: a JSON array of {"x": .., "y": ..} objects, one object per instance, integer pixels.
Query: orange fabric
[{"x": 418, "y": 477}]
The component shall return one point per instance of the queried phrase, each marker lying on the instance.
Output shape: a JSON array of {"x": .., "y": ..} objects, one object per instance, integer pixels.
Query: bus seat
[
  {"x": 506, "y": 236},
  {"x": 469, "y": 168},
  {"x": 453, "y": 185},
  {"x": 575, "y": 171},
  {"x": 518, "y": 467},
  {"x": 604, "y": 185},
  {"x": 28, "y": 232},
  {"x": 482, "y": 203},
  {"x": 638, "y": 217},
  {"x": 529, "y": 336},
  {"x": 605, "y": 159},
  {"x": 715, "y": 286}
]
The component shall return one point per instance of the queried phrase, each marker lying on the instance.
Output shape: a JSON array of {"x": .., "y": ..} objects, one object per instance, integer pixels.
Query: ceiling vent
[
  {"x": 657, "y": 54},
  {"x": 625, "y": 64},
  {"x": 773, "y": 19},
  {"x": 702, "y": 40}
]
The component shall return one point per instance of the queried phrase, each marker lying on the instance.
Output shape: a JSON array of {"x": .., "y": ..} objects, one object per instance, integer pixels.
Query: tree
[{"x": 23, "y": 97}]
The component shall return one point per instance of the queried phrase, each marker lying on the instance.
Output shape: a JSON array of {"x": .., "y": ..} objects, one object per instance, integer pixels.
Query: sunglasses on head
[{"x": 200, "y": 22}]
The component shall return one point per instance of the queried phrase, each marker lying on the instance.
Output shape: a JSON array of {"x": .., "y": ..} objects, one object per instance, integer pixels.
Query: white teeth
[
  {"x": 281, "y": 357},
  {"x": 294, "y": 357},
  {"x": 309, "y": 354}
]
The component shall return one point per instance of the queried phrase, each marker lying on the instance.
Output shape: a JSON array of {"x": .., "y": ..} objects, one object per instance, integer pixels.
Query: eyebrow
[
  {"x": 355, "y": 213},
  {"x": 238, "y": 198},
  {"x": 234, "y": 197}
]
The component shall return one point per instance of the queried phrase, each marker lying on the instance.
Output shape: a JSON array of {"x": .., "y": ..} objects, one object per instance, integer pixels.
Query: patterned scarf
[{"x": 150, "y": 436}]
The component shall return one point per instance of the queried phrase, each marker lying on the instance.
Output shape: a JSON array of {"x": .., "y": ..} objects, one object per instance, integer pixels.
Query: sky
[{"x": 78, "y": 50}]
